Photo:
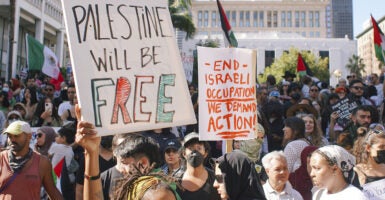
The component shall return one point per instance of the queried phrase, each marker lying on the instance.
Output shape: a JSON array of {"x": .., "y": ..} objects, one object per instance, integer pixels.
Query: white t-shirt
[
  {"x": 289, "y": 193},
  {"x": 350, "y": 193}
]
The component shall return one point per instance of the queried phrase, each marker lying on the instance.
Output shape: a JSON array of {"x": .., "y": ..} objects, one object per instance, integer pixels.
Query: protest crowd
[{"x": 303, "y": 147}]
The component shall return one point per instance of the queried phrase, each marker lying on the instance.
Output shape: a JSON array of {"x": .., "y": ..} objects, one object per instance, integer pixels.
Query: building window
[
  {"x": 311, "y": 34},
  {"x": 213, "y": 18},
  {"x": 261, "y": 19},
  {"x": 303, "y": 19},
  {"x": 316, "y": 19},
  {"x": 297, "y": 19},
  {"x": 288, "y": 18},
  {"x": 255, "y": 18},
  {"x": 206, "y": 19},
  {"x": 317, "y": 34},
  {"x": 268, "y": 18},
  {"x": 311, "y": 19},
  {"x": 269, "y": 58},
  {"x": 200, "y": 18},
  {"x": 303, "y": 34},
  {"x": 275, "y": 18},
  {"x": 241, "y": 17},
  {"x": 247, "y": 16},
  {"x": 283, "y": 19},
  {"x": 233, "y": 18}
]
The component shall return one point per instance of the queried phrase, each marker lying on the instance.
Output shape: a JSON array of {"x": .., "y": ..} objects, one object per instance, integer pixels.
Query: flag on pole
[
  {"x": 379, "y": 41},
  {"x": 229, "y": 34},
  {"x": 42, "y": 58},
  {"x": 302, "y": 68}
]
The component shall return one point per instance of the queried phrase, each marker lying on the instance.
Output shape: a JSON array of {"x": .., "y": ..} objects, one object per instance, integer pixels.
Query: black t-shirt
[
  {"x": 103, "y": 166},
  {"x": 206, "y": 192},
  {"x": 109, "y": 178}
]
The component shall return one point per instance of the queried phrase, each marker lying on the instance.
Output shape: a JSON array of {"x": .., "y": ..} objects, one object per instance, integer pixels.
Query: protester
[
  {"x": 331, "y": 172},
  {"x": 236, "y": 178},
  {"x": 46, "y": 114},
  {"x": 371, "y": 169},
  {"x": 197, "y": 181},
  {"x": 66, "y": 110},
  {"x": 277, "y": 186},
  {"x": 134, "y": 151},
  {"x": 45, "y": 137},
  {"x": 30, "y": 102},
  {"x": 20, "y": 165},
  {"x": 173, "y": 164},
  {"x": 300, "y": 178},
  {"x": 294, "y": 142},
  {"x": 312, "y": 131}
]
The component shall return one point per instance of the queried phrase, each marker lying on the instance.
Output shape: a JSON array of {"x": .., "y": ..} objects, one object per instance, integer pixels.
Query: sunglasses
[
  {"x": 49, "y": 89},
  {"x": 358, "y": 88},
  {"x": 220, "y": 178}
]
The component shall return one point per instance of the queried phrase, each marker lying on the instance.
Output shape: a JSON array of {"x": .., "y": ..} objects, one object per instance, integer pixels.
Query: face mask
[
  {"x": 195, "y": 159},
  {"x": 380, "y": 158},
  {"x": 5, "y": 89}
]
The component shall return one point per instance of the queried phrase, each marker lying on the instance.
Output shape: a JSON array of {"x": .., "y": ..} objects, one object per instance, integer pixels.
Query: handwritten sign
[
  {"x": 227, "y": 103},
  {"x": 127, "y": 66},
  {"x": 374, "y": 190},
  {"x": 344, "y": 108}
]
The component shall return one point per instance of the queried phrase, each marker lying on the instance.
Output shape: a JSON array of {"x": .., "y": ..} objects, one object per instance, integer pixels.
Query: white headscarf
[{"x": 343, "y": 159}]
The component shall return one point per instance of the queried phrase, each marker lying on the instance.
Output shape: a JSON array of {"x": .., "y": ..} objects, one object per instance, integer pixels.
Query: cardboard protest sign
[
  {"x": 127, "y": 66},
  {"x": 227, "y": 101},
  {"x": 344, "y": 108}
]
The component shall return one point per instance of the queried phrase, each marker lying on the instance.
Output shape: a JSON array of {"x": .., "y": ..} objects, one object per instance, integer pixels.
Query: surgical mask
[
  {"x": 195, "y": 158},
  {"x": 380, "y": 158},
  {"x": 5, "y": 89}
]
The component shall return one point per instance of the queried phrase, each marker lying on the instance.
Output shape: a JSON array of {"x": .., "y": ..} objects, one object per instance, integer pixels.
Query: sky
[{"x": 362, "y": 10}]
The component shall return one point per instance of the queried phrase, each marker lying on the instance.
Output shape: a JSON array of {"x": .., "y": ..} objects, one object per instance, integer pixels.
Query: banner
[
  {"x": 227, "y": 100},
  {"x": 127, "y": 66}
]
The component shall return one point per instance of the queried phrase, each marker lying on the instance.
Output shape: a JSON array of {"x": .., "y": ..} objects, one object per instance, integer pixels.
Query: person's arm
[
  {"x": 47, "y": 179},
  {"x": 86, "y": 136},
  {"x": 79, "y": 192}
]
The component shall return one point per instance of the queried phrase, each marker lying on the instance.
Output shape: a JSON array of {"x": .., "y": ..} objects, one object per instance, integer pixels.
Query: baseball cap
[
  {"x": 18, "y": 127},
  {"x": 274, "y": 93},
  {"x": 190, "y": 137},
  {"x": 172, "y": 144}
]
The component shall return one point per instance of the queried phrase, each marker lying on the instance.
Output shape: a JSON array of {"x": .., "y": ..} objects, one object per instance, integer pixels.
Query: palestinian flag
[
  {"x": 302, "y": 68},
  {"x": 379, "y": 41},
  {"x": 42, "y": 58},
  {"x": 57, "y": 172},
  {"x": 229, "y": 34}
]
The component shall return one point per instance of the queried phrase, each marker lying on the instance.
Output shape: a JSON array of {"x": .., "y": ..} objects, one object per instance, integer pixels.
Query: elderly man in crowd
[{"x": 277, "y": 186}]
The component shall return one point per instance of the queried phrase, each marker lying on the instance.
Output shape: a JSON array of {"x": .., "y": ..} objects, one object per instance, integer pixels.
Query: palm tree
[
  {"x": 180, "y": 16},
  {"x": 356, "y": 65}
]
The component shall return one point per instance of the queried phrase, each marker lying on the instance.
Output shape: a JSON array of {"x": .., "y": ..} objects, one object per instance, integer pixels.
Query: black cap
[{"x": 172, "y": 144}]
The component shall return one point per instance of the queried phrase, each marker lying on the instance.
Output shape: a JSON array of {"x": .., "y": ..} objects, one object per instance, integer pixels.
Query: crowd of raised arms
[{"x": 312, "y": 141}]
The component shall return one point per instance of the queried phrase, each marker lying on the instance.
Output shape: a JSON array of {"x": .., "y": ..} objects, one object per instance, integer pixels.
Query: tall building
[
  {"x": 342, "y": 18},
  {"x": 42, "y": 19},
  {"x": 365, "y": 46},
  {"x": 309, "y": 18}
]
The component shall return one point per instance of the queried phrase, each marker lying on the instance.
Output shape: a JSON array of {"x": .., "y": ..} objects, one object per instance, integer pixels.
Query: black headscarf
[{"x": 242, "y": 182}]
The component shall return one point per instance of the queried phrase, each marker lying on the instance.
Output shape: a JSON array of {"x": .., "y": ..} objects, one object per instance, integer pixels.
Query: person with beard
[
  {"x": 371, "y": 169},
  {"x": 197, "y": 181},
  {"x": 21, "y": 167},
  {"x": 236, "y": 177},
  {"x": 361, "y": 117},
  {"x": 356, "y": 88}
]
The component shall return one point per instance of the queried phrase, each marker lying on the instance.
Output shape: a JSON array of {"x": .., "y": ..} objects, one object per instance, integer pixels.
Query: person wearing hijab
[
  {"x": 236, "y": 178},
  {"x": 45, "y": 136},
  {"x": 332, "y": 173}
]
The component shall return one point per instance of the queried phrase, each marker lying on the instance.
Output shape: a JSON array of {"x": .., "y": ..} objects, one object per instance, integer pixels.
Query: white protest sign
[
  {"x": 127, "y": 66},
  {"x": 227, "y": 101}
]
